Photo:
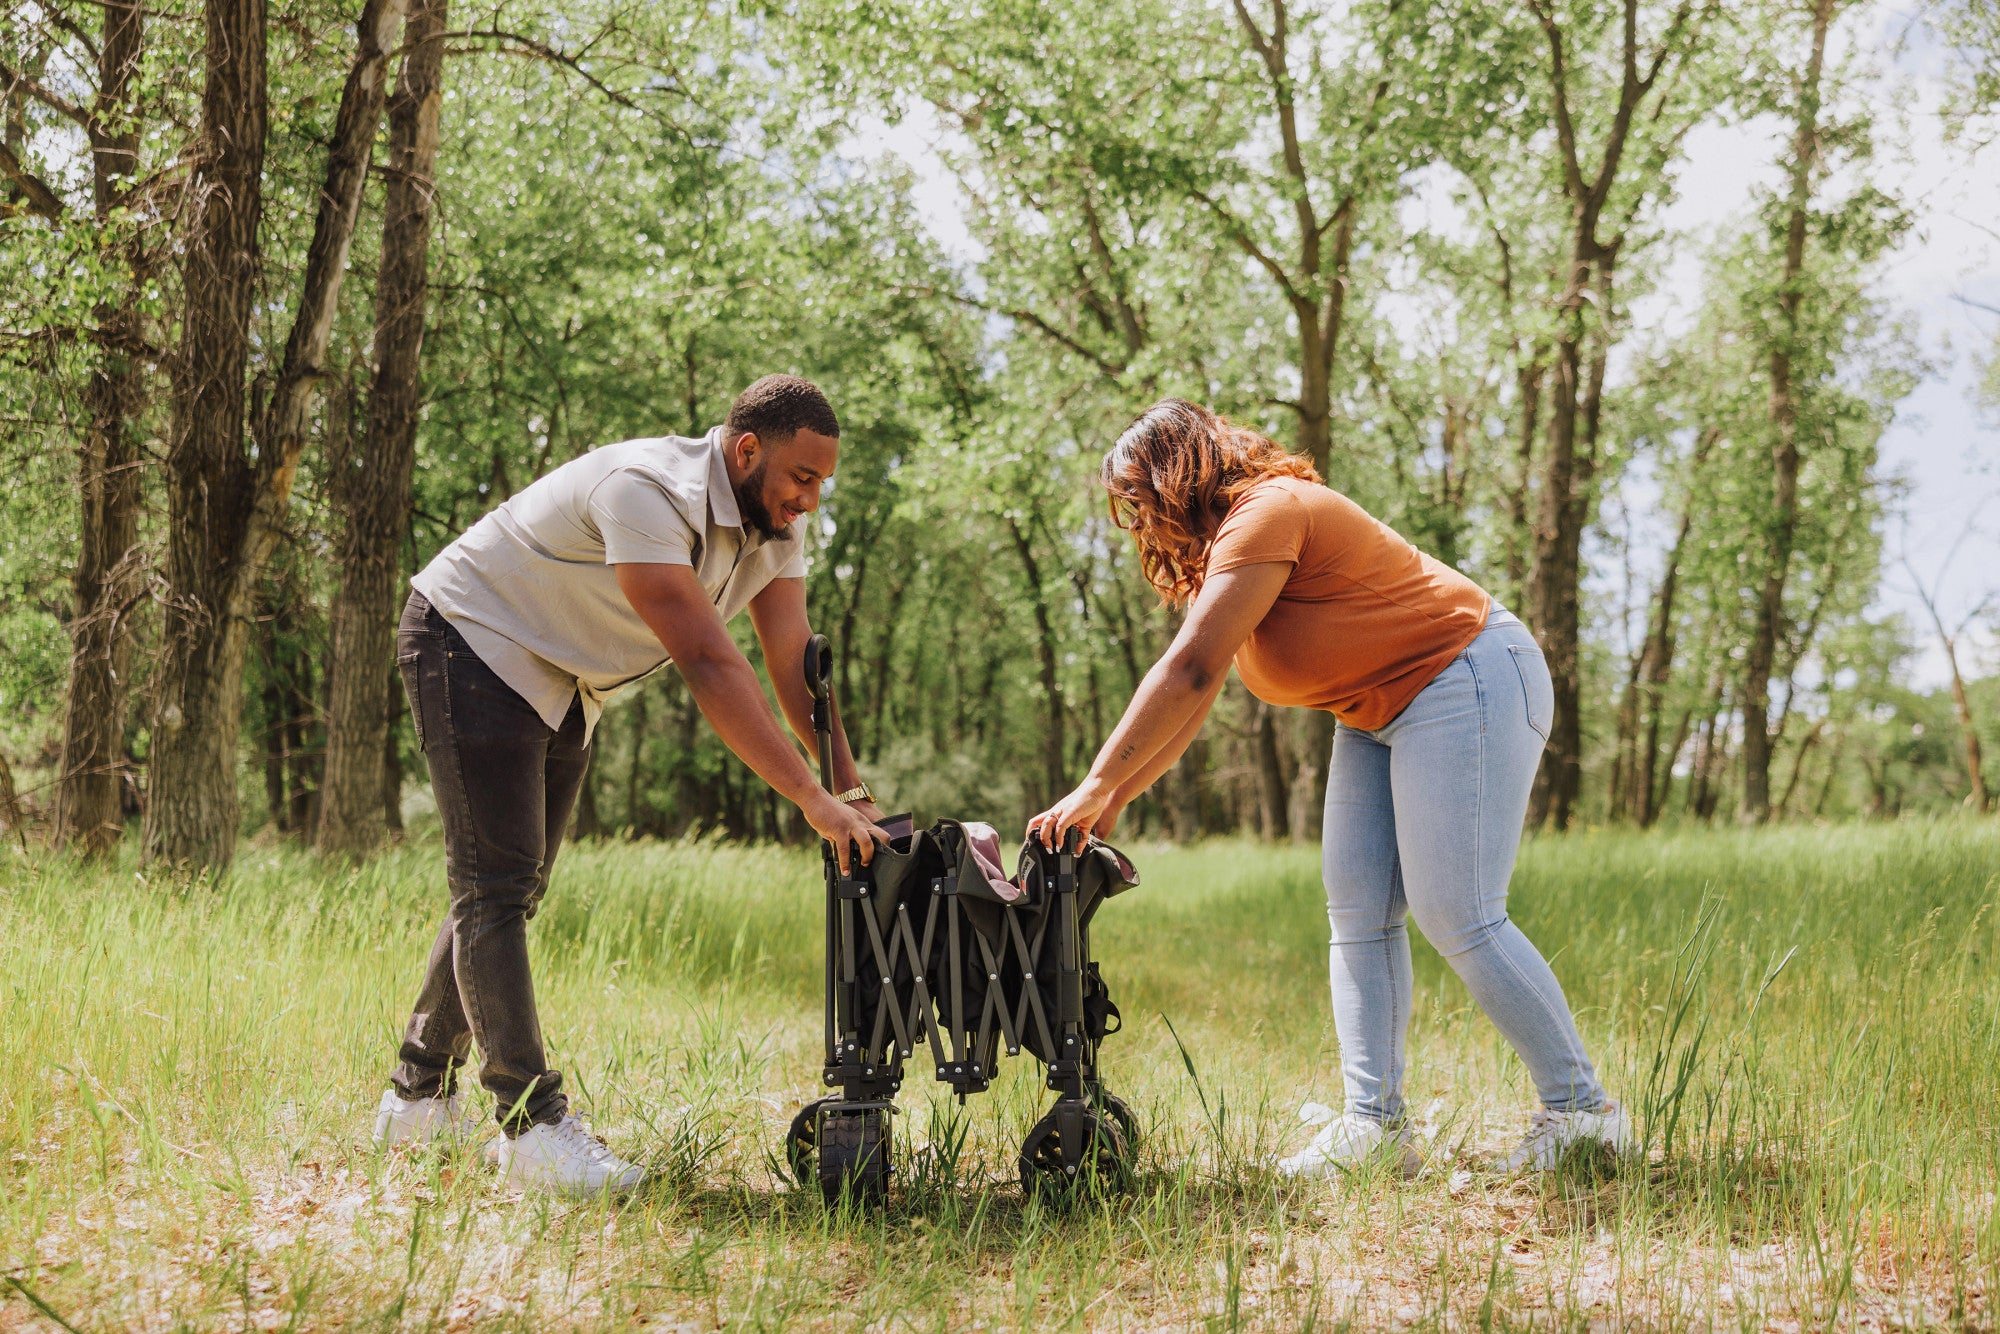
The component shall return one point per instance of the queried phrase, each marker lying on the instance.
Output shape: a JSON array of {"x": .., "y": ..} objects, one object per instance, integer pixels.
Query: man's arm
[
  {"x": 670, "y": 600},
  {"x": 779, "y": 616}
]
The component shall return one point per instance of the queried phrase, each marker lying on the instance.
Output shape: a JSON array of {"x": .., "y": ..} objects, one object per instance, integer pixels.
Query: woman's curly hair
[{"x": 1171, "y": 479}]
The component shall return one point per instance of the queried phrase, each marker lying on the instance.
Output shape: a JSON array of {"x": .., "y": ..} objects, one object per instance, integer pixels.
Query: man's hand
[
  {"x": 868, "y": 810},
  {"x": 844, "y": 827}
]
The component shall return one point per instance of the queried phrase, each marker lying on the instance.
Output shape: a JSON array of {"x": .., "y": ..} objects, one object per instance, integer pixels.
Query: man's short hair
[{"x": 777, "y": 406}]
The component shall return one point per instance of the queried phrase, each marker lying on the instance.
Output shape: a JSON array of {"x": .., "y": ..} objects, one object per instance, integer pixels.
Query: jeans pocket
[
  {"x": 1536, "y": 687},
  {"x": 406, "y": 663}
]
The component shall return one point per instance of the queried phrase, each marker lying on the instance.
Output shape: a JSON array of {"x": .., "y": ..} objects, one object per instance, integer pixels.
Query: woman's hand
[{"x": 1085, "y": 809}]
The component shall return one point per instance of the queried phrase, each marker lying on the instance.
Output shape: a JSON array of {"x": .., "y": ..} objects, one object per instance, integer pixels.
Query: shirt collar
[{"x": 721, "y": 495}]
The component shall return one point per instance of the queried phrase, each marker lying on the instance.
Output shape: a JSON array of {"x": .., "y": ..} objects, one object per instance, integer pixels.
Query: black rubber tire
[
  {"x": 855, "y": 1155},
  {"x": 802, "y": 1143},
  {"x": 1122, "y": 1115},
  {"x": 1104, "y": 1165}
]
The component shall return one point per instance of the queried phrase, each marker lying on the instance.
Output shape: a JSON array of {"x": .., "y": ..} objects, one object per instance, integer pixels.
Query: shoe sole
[
  {"x": 1409, "y": 1169},
  {"x": 507, "y": 1179},
  {"x": 610, "y": 1190}
]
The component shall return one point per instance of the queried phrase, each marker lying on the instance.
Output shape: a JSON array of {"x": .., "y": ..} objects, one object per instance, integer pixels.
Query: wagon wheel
[
  {"x": 854, "y": 1154},
  {"x": 1122, "y": 1116},
  {"x": 802, "y": 1142},
  {"x": 1052, "y": 1166}
]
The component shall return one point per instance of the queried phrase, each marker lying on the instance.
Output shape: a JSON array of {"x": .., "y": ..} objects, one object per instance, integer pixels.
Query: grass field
[{"x": 1807, "y": 1020}]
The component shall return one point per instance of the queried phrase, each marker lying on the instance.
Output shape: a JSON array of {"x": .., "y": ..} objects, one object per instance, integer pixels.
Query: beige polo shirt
[{"x": 531, "y": 587}]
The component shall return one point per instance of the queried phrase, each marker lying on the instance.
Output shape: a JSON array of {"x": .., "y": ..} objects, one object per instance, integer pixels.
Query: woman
[{"x": 1442, "y": 702}]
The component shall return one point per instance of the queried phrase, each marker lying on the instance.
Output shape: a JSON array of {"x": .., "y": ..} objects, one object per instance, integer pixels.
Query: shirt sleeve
[
  {"x": 795, "y": 564},
  {"x": 639, "y": 521},
  {"x": 1267, "y": 524}
]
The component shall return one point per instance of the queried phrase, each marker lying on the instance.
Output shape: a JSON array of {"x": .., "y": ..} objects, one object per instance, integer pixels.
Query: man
[{"x": 613, "y": 565}]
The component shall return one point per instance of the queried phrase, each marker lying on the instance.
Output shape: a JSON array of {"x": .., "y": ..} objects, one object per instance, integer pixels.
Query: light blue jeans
[{"x": 1423, "y": 818}]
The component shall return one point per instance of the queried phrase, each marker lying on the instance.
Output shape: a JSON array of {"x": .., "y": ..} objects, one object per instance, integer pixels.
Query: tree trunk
[
  {"x": 375, "y": 492},
  {"x": 1799, "y": 766},
  {"x": 588, "y": 821},
  {"x": 271, "y": 735},
  {"x": 191, "y": 802},
  {"x": 225, "y": 507},
  {"x": 635, "y": 766},
  {"x": 301, "y": 755},
  {"x": 1657, "y": 660},
  {"x": 1968, "y": 729},
  {"x": 1783, "y": 410},
  {"x": 1568, "y": 471},
  {"x": 1184, "y": 796},
  {"x": 1625, "y": 757},
  {"x": 1047, "y": 651},
  {"x": 1520, "y": 496},
  {"x": 1272, "y": 789},
  {"x": 11, "y": 819},
  {"x": 877, "y": 729},
  {"x": 1832, "y": 772},
  {"x": 1567, "y": 494},
  {"x": 1665, "y": 786},
  {"x": 89, "y": 805},
  {"x": 1312, "y": 740}
]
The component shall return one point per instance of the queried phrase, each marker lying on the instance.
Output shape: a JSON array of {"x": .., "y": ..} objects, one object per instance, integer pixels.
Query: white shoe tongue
[{"x": 1316, "y": 1113}]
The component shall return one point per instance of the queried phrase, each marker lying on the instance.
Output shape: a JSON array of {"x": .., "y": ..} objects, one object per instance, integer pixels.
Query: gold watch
[{"x": 859, "y": 792}]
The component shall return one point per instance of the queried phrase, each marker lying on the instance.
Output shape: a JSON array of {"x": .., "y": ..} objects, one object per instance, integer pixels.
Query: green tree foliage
[{"x": 1383, "y": 233}]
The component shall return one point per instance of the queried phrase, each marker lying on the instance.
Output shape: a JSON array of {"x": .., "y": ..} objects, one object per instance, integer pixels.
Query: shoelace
[
  {"x": 573, "y": 1135},
  {"x": 1544, "y": 1129}
]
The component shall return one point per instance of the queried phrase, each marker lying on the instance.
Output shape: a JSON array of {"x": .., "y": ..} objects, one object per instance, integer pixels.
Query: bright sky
[{"x": 1945, "y": 450}]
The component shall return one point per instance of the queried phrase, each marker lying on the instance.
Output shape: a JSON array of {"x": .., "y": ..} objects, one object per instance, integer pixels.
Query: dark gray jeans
[{"x": 505, "y": 786}]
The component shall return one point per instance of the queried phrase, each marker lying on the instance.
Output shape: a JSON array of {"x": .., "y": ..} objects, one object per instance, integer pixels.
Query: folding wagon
[{"x": 925, "y": 947}]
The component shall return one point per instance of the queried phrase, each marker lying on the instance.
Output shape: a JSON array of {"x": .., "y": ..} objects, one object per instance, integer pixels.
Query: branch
[
  {"x": 1667, "y": 44},
  {"x": 1131, "y": 327},
  {"x": 1241, "y": 235},
  {"x": 70, "y": 26},
  {"x": 1258, "y": 41},
  {"x": 41, "y": 199},
  {"x": 47, "y": 97},
  {"x": 1277, "y": 64},
  {"x": 539, "y": 50},
  {"x": 1109, "y": 369},
  {"x": 1559, "y": 86},
  {"x": 1631, "y": 93}
]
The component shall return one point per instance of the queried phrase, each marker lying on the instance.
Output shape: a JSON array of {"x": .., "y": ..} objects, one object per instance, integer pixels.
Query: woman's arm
[
  {"x": 1164, "y": 759},
  {"x": 1172, "y": 701},
  {"x": 1169, "y": 755}
]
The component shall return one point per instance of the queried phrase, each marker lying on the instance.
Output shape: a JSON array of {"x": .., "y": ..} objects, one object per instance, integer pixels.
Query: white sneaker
[
  {"x": 1552, "y": 1134},
  {"x": 565, "y": 1159},
  {"x": 400, "y": 1120},
  {"x": 1349, "y": 1143}
]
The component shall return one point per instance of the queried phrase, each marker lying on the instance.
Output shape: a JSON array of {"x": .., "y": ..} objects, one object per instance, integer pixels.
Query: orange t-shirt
[{"x": 1364, "y": 622}]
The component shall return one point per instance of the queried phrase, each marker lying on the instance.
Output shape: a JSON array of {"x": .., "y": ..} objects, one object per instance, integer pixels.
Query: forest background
[{"x": 290, "y": 295}]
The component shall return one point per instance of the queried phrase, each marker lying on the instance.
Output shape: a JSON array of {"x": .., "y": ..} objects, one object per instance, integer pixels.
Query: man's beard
[{"x": 750, "y": 507}]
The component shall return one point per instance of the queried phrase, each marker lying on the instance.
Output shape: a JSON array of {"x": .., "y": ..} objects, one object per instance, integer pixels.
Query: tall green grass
[{"x": 1807, "y": 1020}]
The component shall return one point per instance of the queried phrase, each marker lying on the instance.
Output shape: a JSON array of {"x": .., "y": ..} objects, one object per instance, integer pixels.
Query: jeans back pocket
[{"x": 1536, "y": 687}]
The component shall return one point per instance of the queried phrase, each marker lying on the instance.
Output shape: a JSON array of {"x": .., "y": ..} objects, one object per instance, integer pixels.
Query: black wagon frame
[{"x": 927, "y": 955}]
